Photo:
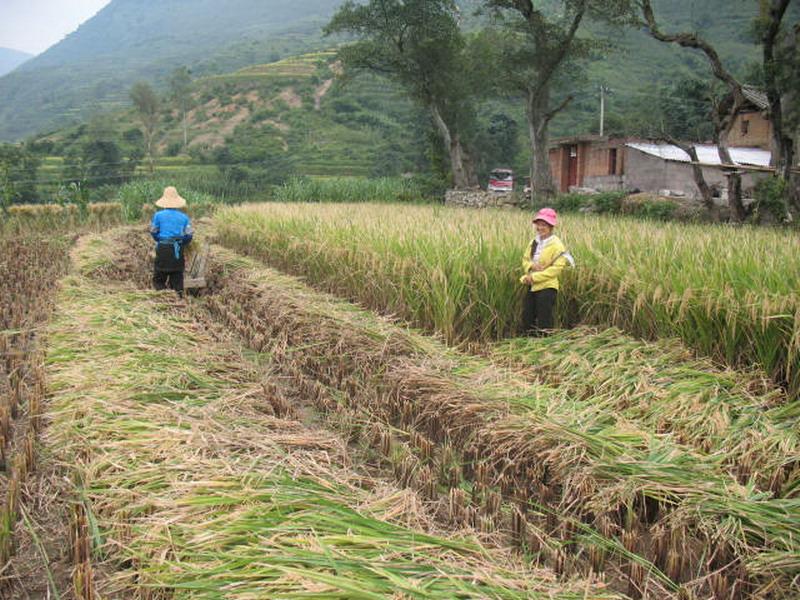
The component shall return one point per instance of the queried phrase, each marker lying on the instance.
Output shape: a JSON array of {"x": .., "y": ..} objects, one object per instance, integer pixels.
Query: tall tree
[
  {"x": 147, "y": 107},
  {"x": 780, "y": 77},
  {"x": 100, "y": 159},
  {"x": 725, "y": 110},
  {"x": 543, "y": 42},
  {"x": 18, "y": 171},
  {"x": 180, "y": 87},
  {"x": 418, "y": 44}
]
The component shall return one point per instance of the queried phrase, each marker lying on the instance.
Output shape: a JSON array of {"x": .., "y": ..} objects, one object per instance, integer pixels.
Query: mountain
[
  {"x": 130, "y": 40},
  {"x": 93, "y": 68},
  {"x": 11, "y": 59},
  {"x": 294, "y": 112},
  {"x": 299, "y": 116}
]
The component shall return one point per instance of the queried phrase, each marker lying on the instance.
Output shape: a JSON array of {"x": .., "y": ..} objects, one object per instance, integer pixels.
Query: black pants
[
  {"x": 537, "y": 311},
  {"x": 172, "y": 280}
]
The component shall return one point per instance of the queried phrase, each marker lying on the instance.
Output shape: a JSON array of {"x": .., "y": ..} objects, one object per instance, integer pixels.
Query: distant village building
[
  {"x": 635, "y": 164},
  {"x": 752, "y": 128},
  {"x": 631, "y": 164},
  {"x": 588, "y": 161}
]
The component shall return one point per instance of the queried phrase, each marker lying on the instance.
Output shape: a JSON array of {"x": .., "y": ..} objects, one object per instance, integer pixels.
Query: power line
[{"x": 138, "y": 175}]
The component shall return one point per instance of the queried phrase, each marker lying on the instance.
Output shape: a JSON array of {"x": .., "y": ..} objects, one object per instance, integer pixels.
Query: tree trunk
[
  {"x": 149, "y": 143},
  {"x": 724, "y": 127},
  {"x": 701, "y": 183},
  {"x": 738, "y": 211},
  {"x": 782, "y": 141},
  {"x": 697, "y": 173},
  {"x": 794, "y": 192},
  {"x": 539, "y": 116},
  {"x": 185, "y": 131},
  {"x": 464, "y": 177}
]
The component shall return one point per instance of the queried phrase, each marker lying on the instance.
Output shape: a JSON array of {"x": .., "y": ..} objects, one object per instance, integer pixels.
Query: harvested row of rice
[
  {"x": 29, "y": 273},
  {"x": 197, "y": 482},
  {"x": 661, "y": 387}
]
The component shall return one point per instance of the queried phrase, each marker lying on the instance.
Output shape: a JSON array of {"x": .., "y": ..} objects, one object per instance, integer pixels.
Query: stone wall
[{"x": 482, "y": 199}]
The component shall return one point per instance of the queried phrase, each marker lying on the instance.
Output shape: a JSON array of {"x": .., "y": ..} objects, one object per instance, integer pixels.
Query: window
[
  {"x": 745, "y": 127},
  {"x": 612, "y": 161}
]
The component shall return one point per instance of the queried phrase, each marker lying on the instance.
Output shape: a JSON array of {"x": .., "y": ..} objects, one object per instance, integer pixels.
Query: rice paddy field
[
  {"x": 729, "y": 293},
  {"x": 347, "y": 412}
]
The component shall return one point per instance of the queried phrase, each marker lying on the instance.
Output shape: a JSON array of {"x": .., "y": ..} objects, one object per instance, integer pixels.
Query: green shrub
[
  {"x": 770, "y": 195},
  {"x": 571, "y": 202},
  {"x": 656, "y": 210},
  {"x": 174, "y": 149},
  {"x": 356, "y": 189},
  {"x": 608, "y": 202},
  {"x": 136, "y": 194},
  {"x": 604, "y": 202}
]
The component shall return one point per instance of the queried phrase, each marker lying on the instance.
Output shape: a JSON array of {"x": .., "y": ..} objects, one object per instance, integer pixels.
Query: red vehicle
[{"x": 501, "y": 180}]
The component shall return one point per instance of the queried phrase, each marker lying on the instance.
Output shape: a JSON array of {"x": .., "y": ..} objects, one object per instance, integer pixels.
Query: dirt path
[{"x": 320, "y": 93}]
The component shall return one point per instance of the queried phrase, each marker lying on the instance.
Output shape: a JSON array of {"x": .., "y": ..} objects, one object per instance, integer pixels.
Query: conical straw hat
[{"x": 171, "y": 199}]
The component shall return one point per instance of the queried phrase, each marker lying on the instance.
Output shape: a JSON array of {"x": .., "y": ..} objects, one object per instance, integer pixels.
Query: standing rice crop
[
  {"x": 49, "y": 219},
  {"x": 727, "y": 292}
]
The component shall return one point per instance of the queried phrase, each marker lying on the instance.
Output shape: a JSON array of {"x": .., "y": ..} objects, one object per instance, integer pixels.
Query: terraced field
[
  {"x": 294, "y": 112},
  {"x": 267, "y": 439},
  {"x": 295, "y": 67}
]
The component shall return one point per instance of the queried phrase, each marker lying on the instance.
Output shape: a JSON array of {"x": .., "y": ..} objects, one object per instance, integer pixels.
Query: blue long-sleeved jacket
[{"x": 171, "y": 225}]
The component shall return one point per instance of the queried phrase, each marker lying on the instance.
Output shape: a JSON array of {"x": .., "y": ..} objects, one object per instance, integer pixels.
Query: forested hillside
[{"x": 146, "y": 39}]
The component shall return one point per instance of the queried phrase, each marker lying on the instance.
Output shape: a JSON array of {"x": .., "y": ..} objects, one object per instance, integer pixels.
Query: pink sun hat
[{"x": 548, "y": 215}]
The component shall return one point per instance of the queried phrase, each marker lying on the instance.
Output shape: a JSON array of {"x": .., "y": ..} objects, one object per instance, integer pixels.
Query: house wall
[
  {"x": 598, "y": 159},
  {"x": 594, "y": 164},
  {"x": 606, "y": 183},
  {"x": 556, "y": 165},
  {"x": 759, "y": 131},
  {"x": 603, "y": 173},
  {"x": 651, "y": 174}
]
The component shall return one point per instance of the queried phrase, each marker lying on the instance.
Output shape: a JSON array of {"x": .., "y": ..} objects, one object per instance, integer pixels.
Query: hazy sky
[{"x": 35, "y": 25}]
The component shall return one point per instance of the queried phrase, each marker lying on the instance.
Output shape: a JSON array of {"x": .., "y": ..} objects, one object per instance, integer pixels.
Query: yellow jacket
[{"x": 552, "y": 259}]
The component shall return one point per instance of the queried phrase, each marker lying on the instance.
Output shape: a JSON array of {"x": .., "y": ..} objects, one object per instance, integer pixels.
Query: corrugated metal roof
[
  {"x": 756, "y": 96},
  {"x": 706, "y": 154}
]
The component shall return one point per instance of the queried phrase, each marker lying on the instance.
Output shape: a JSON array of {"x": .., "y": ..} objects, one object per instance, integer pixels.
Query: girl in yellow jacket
[{"x": 543, "y": 262}]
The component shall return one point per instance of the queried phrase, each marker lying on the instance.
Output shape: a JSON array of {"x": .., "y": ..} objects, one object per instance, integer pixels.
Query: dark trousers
[
  {"x": 172, "y": 280},
  {"x": 537, "y": 311}
]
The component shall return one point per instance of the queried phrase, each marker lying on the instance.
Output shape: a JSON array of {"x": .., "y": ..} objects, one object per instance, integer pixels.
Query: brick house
[
  {"x": 752, "y": 128},
  {"x": 632, "y": 164},
  {"x": 588, "y": 161},
  {"x": 617, "y": 163}
]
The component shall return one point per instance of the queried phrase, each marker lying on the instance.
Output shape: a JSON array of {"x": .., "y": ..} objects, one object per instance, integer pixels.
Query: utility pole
[{"x": 603, "y": 91}]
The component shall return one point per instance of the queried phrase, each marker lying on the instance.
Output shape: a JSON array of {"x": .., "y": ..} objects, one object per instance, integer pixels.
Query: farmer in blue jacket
[{"x": 172, "y": 231}]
